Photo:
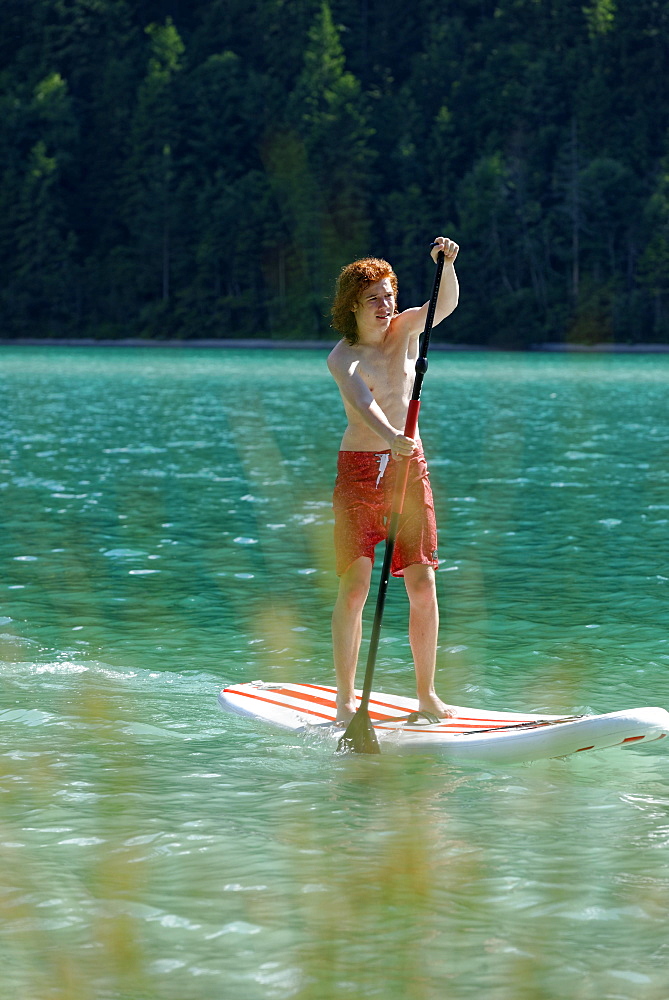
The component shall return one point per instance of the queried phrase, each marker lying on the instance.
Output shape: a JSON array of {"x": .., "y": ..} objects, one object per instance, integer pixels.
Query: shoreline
[{"x": 327, "y": 345}]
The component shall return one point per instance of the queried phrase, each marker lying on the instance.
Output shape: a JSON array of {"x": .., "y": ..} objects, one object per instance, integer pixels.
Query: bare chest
[{"x": 387, "y": 371}]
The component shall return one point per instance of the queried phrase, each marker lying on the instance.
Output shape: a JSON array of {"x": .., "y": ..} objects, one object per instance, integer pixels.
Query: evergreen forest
[{"x": 189, "y": 169}]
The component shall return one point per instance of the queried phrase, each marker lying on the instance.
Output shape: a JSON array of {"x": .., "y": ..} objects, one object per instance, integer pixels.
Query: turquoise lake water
[{"x": 166, "y": 531}]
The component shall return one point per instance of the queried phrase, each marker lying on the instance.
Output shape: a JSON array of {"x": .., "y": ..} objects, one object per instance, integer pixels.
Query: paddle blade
[{"x": 359, "y": 736}]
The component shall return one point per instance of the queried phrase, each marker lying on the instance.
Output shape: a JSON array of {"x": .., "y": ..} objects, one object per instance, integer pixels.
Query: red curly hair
[{"x": 351, "y": 283}]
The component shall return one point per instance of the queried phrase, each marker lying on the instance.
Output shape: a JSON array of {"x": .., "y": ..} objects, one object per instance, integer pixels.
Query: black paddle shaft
[{"x": 360, "y": 736}]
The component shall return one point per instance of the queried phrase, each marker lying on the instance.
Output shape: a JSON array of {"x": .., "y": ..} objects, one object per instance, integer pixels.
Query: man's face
[{"x": 376, "y": 306}]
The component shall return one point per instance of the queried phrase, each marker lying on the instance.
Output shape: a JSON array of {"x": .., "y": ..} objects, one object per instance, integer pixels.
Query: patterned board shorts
[{"x": 362, "y": 504}]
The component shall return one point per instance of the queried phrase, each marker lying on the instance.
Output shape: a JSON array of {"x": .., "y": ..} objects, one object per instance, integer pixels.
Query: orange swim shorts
[{"x": 362, "y": 504}]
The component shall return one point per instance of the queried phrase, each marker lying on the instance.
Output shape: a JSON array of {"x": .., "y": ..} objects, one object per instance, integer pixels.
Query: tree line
[{"x": 203, "y": 169}]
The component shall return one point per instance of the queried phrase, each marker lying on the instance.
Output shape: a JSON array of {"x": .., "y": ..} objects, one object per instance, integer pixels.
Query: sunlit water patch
[{"x": 167, "y": 530}]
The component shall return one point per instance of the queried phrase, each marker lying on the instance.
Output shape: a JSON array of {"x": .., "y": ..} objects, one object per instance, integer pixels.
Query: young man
[{"x": 374, "y": 367}]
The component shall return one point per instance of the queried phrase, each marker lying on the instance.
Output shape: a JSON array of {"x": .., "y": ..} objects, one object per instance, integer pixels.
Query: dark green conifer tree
[
  {"x": 318, "y": 161},
  {"x": 149, "y": 183},
  {"x": 40, "y": 282}
]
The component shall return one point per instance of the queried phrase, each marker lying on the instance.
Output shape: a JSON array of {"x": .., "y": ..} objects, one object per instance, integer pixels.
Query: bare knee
[
  {"x": 354, "y": 587},
  {"x": 420, "y": 584},
  {"x": 353, "y": 594}
]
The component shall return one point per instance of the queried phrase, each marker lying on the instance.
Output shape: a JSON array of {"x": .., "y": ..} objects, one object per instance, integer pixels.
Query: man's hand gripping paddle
[{"x": 359, "y": 736}]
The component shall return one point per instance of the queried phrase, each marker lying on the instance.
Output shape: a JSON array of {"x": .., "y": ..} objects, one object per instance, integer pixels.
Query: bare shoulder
[
  {"x": 408, "y": 323},
  {"x": 339, "y": 358}
]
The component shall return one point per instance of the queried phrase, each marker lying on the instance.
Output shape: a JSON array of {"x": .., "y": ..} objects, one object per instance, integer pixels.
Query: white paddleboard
[{"x": 506, "y": 737}]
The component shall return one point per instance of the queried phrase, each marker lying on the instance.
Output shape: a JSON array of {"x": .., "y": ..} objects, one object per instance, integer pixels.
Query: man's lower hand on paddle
[{"x": 403, "y": 447}]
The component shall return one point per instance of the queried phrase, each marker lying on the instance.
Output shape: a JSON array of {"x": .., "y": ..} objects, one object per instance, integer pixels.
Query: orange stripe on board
[
  {"x": 278, "y": 704},
  {"x": 632, "y": 739},
  {"x": 458, "y": 725},
  {"x": 310, "y": 699},
  {"x": 402, "y": 710},
  {"x": 479, "y": 721},
  {"x": 284, "y": 693},
  {"x": 318, "y": 687},
  {"x": 301, "y": 696}
]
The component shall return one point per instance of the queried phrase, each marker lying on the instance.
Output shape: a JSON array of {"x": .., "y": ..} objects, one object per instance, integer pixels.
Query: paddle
[{"x": 359, "y": 736}]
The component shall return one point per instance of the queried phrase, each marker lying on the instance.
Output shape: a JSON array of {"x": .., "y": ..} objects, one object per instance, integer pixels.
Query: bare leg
[
  {"x": 423, "y": 629},
  {"x": 347, "y": 632}
]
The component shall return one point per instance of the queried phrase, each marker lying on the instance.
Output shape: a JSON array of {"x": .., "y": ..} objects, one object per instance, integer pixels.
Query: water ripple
[{"x": 141, "y": 825}]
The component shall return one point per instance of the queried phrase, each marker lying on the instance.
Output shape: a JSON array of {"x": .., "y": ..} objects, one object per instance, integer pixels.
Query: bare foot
[
  {"x": 345, "y": 712},
  {"x": 432, "y": 703}
]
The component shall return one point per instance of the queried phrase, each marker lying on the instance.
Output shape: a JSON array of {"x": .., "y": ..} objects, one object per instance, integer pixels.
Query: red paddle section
[{"x": 410, "y": 426}]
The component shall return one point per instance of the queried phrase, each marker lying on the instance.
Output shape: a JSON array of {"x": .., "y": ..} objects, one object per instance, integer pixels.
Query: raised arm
[{"x": 413, "y": 320}]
